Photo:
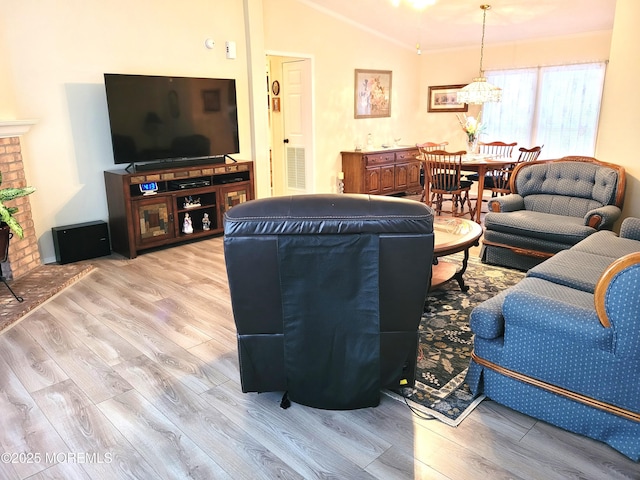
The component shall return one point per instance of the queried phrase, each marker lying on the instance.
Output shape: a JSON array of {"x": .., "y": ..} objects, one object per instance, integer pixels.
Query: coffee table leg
[{"x": 459, "y": 273}]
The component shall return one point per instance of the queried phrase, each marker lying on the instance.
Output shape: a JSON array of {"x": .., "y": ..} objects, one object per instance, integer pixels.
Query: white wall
[
  {"x": 620, "y": 117},
  {"x": 55, "y": 54},
  {"x": 337, "y": 49}
]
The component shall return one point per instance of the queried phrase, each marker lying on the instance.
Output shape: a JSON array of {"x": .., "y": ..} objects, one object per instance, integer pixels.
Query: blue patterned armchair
[
  {"x": 563, "y": 345},
  {"x": 554, "y": 205}
]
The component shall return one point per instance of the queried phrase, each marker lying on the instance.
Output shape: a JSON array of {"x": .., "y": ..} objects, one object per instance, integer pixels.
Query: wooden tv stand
[{"x": 139, "y": 222}]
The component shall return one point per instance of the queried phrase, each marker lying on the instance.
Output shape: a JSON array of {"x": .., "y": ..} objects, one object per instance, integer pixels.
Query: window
[{"x": 557, "y": 107}]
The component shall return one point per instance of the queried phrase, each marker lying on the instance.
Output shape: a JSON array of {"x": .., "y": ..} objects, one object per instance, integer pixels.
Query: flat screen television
[{"x": 171, "y": 119}]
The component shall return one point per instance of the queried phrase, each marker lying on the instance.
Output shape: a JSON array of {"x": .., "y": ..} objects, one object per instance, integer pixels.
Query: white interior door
[{"x": 297, "y": 117}]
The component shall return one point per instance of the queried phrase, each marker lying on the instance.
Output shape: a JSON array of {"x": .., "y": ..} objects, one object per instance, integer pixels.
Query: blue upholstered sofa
[
  {"x": 553, "y": 205},
  {"x": 563, "y": 345}
]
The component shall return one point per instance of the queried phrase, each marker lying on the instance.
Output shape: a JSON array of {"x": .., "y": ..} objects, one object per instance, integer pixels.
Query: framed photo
[
  {"x": 372, "y": 93},
  {"x": 211, "y": 100},
  {"x": 443, "y": 98},
  {"x": 275, "y": 104}
]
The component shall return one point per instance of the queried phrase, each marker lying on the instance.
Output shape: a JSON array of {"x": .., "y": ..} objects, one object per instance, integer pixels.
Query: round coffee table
[{"x": 452, "y": 235}]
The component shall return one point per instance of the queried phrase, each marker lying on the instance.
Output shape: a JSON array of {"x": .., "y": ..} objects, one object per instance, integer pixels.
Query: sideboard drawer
[
  {"x": 379, "y": 158},
  {"x": 406, "y": 155}
]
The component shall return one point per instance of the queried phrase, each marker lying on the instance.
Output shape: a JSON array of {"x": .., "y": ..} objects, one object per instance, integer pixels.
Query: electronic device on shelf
[
  {"x": 162, "y": 121},
  {"x": 149, "y": 188},
  {"x": 185, "y": 184}
]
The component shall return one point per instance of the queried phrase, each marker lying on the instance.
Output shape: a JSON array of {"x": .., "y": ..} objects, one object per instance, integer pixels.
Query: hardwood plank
[
  {"x": 209, "y": 316},
  {"x": 297, "y": 444},
  {"x": 398, "y": 464},
  {"x": 24, "y": 429},
  {"x": 194, "y": 372},
  {"x": 335, "y": 430},
  {"x": 62, "y": 471},
  {"x": 208, "y": 427},
  {"x": 221, "y": 356},
  {"x": 86, "y": 429},
  {"x": 105, "y": 343},
  {"x": 567, "y": 449},
  {"x": 31, "y": 364},
  {"x": 90, "y": 372},
  {"x": 89, "y": 299},
  {"x": 160, "y": 442}
]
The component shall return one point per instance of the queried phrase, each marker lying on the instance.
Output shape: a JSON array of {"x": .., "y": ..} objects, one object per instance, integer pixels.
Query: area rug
[
  {"x": 446, "y": 343},
  {"x": 36, "y": 287}
]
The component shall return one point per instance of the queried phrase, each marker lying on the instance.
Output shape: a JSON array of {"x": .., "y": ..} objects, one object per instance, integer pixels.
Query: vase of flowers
[{"x": 472, "y": 127}]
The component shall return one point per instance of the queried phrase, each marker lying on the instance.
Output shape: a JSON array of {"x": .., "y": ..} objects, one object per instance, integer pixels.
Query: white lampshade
[{"x": 479, "y": 91}]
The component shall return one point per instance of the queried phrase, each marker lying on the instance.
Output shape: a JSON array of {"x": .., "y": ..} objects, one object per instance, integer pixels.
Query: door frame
[{"x": 276, "y": 126}]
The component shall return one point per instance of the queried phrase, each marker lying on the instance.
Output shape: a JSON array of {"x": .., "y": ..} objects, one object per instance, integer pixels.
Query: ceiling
[{"x": 458, "y": 23}]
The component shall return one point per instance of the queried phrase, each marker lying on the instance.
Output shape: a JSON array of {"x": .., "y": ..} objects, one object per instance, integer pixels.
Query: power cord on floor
[{"x": 416, "y": 412}]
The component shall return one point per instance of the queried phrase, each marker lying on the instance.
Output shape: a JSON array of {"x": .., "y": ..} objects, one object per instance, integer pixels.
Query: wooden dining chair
[
  {"x": 428, "y": 146},
  {"x": 445, "y": 183},
  {"x": 529, "y": 154},
  {"x": 499, "y": 180},
  {"x": 500, "y": 149}
]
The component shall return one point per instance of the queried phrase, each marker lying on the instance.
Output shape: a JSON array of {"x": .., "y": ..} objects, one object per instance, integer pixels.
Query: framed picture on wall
[
  {"x": 444, "y": 98},
  {"x": 372, "y": 93}
]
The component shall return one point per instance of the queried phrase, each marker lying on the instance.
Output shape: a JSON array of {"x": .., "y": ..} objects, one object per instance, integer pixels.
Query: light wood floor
[{"x": 132, "y": 373}]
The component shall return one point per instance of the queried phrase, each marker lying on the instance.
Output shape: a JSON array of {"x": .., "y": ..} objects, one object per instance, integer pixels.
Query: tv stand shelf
[{"x": 139, "y": 222}]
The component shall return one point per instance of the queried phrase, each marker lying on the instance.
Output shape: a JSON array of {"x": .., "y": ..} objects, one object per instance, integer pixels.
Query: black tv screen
[{"x": 157, "y": 118}]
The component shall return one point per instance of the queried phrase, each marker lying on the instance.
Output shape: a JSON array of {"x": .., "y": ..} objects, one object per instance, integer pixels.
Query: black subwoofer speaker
[{"x": 82, "y": 241}]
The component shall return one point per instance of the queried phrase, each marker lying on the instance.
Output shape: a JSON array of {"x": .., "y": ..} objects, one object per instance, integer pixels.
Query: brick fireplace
[{"x": 23, "y": 253}]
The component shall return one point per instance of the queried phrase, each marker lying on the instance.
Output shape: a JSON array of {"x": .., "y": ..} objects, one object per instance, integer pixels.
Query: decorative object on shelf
[
  {"x": 480, "y": 91},
  {"x": 369, "y": 141},
  {"x": 472, "y": 127},
  {"x": 187, "y": 226},
  {"x": 189, "y": 202},
  {"x": 372, "y": 93},
  {"x": 206, "y": 223},
  {"x": 444, "y": 98},
  {"x": 340, "y": 182}
]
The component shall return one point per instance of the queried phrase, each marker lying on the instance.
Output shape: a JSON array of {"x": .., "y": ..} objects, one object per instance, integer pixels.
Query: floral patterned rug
[{"x": 446, "y": 343}]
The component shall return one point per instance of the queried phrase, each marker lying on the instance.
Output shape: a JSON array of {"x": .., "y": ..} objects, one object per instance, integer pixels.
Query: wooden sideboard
[{"x": 382, "y": 172}]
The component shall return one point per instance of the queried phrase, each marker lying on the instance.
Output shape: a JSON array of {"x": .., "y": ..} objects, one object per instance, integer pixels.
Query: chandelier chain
[{"x": 484, "y": 22}]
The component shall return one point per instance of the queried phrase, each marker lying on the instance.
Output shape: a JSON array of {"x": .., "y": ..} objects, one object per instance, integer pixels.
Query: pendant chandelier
[{"x": 480, "y": 91}]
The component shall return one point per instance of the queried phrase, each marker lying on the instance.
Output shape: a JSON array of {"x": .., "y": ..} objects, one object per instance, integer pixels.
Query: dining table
[{"x": 480, "y": 163}]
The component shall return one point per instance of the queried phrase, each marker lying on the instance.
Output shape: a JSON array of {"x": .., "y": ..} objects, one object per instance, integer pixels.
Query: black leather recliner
[{"x": 327, "y": 294}]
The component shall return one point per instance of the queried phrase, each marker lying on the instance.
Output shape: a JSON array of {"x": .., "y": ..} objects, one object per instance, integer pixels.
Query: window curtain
[{"x": 557, "y": 107}]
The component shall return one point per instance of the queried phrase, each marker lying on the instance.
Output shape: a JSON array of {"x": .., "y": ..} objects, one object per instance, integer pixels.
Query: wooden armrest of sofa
[{"x": 620, "y": 267}]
